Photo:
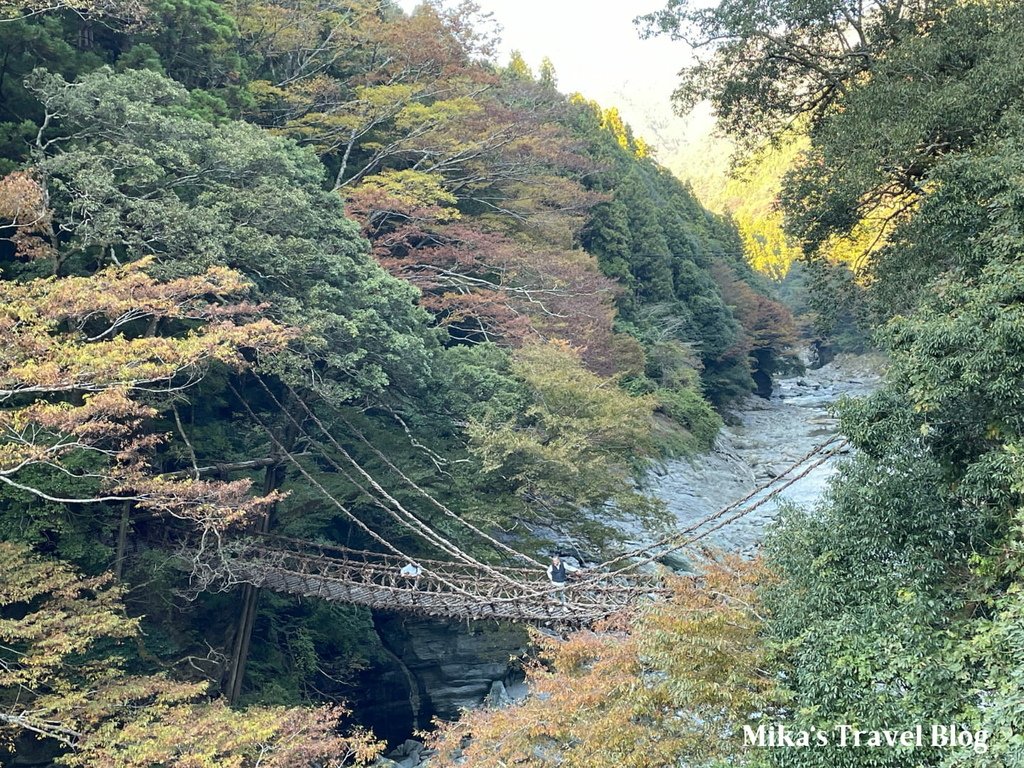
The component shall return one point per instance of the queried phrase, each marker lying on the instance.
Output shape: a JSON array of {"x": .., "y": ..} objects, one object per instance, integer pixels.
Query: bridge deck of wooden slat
[{"x": 374, "y": 581}]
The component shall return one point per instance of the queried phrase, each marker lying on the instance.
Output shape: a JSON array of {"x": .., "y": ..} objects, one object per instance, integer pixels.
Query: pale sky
[{"x": 597, "y": 51}]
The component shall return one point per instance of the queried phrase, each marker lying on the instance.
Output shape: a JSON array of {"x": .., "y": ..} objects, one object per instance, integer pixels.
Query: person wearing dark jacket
[{"x": 558, "y": 574}]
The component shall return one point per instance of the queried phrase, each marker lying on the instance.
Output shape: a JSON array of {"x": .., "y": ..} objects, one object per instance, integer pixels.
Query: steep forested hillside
[
  {"x": 896, "y": 603},
  {"x": 300, "y": 268}
]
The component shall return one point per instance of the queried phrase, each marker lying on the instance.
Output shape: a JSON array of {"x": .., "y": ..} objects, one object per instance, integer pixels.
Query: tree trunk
[
  {"x": 250, "y": 602},
  {"x": 243, "y": 638},
  {"x": 272, "y": 478},
  {"x": 122, "y": 541}
]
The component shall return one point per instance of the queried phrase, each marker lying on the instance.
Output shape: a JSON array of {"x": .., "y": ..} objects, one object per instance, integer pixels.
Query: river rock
[
  {"x": 409, "y": 749},
  {"x": 677, "y": 562},
  {"x": 517, "y": 689},
  {"x": 439, "y": 667},
  {"x": 453, "y": 666},
  {"x": 498, "y": 696},
  {"x": 762, "y": 438}
]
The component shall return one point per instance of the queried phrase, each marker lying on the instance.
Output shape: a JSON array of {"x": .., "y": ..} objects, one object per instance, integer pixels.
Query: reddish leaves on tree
[
  {"x": 482, "y": 285},
  {"x": 25, "y": 218}
]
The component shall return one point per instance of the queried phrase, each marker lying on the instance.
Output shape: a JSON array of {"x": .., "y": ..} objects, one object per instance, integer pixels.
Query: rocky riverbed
[{"x": 765, "y": 437}]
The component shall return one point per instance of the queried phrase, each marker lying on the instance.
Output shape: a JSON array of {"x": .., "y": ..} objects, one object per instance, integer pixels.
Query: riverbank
[{"x": 761, "y": 439}]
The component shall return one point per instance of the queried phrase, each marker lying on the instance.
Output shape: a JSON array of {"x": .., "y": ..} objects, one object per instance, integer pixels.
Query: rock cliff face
[
  {"x": 30, "y": 752},
  {"x": 434, "y": 669}
]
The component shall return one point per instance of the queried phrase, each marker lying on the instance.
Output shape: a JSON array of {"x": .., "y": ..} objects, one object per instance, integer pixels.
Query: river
[
  {"x": 762, "y": 440},
  {"x": 438, "y": 667}
]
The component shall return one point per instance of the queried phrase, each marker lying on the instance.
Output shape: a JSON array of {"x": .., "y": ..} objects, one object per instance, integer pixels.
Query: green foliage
[
  {"x": 571, "y": 446},
  {"x": 482, "y": 382},
  {"x": 655, "y": 238},
  {"x": 480, "y": 286},
  {"x": 995, "y": 648},
  {"x": 856, "y": 171},
  {"x": 143, "y": 176},
  {"x": 62, "y": 676},
  {"x": 761, "y": 64},
  {"x": 197, "y": 41},
  {"x": 650, "y": 257},
  {"x": 687, "y": 408},
  {"x": 547, "y": 75},
  {"x": 898, "y": 600},
  {"x": 748, "y": 192},
  {"x": 863, "y": 616},
  {"x": 874, "y": 613},
  {"x": 27, "y": 45},
  {"x": 517, "y": 68},
  {"x": 900, "y": 596},
  {"x": 303, "y": 652},
  {"x": 607, "y": 236}
]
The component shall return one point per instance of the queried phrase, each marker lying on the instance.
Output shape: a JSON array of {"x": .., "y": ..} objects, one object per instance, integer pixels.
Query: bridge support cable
[
  {"x": 520, "y": 587},
  {"x": 398, "y": 512},
  {"x": 671, "y": 542},
  {"x": 499, "y": 545},
  {"x": 412, "y": 523},
  {"x": 467, "y": 588},
  {"x": 327, "y": 494},
  {"x": 639, "y": 551},
  {"x": 736, "y": 516}
]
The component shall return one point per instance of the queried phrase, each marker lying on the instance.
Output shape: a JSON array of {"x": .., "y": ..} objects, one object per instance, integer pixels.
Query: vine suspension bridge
[{"x": 460, "y": 586}]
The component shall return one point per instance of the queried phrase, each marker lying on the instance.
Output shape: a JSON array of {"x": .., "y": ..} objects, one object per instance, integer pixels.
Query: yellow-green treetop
[{"x": 567, "y": 448}]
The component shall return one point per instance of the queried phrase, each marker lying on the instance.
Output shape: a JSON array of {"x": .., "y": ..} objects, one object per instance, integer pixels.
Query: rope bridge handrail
[
  {"x": 270, "y": 548},
  {"x": 376, "y": 581},
  {"x": 278, "y": 541},
  {"x": 463, "y": 587},
  {"x": 688, "y": 536}
]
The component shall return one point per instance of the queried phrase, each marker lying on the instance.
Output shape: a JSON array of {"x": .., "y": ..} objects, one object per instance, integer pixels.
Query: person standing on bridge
[
  {"x": 412, "y": 572},
  {"x": 558, "y": 573}
]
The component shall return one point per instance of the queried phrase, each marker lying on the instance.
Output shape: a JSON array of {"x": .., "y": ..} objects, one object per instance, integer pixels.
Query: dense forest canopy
[
  {"x": 227, "y": 225},
  {"x": 304, "y": 267},
  {"x": 897, "y": 600}
]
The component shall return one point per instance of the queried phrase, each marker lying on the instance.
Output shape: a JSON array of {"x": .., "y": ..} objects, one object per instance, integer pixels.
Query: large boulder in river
[
  {"x": 676, "y": 561},
  {"x": 498, "y": 696},
  {"x": 820, "y": 354},
  {"x": 408, "y": 755}
]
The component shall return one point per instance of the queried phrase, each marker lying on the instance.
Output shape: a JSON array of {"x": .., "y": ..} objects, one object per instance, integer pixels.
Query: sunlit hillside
[{"x": 694, "y": 151}]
